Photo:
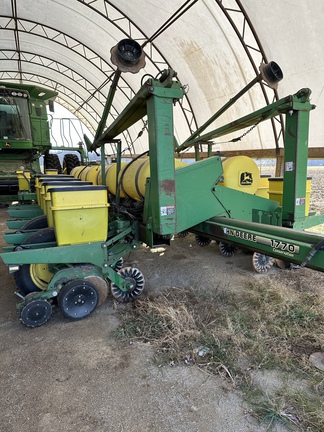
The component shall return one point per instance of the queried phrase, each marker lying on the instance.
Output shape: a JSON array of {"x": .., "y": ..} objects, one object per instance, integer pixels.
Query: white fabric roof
[{"x": 215, "y": 46}]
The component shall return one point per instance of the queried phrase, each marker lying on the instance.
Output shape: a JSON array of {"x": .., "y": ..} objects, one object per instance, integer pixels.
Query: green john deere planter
[{"x": 74, "y": 262}]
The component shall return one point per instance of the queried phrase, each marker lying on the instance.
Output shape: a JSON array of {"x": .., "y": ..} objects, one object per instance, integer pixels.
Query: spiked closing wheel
[
  {"x": 262, "y": 263},
  {"x": 202, "y": 241},
  {"x": 36, "y": 313},
  {"x": 136, "y": 278},
  {"x": 226, "y": 249},
  {"x": 119, "y": 264},
  {"x": 183, "y": 233},
  {"x": 78, "y": 299}
]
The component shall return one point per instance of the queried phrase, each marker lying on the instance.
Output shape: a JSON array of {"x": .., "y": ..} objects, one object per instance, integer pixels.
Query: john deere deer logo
[{"x": 246, "y": 179}]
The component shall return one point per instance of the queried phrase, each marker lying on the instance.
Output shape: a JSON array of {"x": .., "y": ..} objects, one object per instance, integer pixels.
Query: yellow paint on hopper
[
  {"x": 75, "y": 172},
  {"x": 134, "y": 175},
  {"x": 241, "y": 173},
  {"x": 111, "y": 179},
  {"x": 276, "y": 191},
  {"x": 263, "y": 189},
  {"x": 80, "y": 215},
  {"x": 92, "y": 174},
  {"x": 23, "y": 179},
  {"x": 82, "y": 174},
  {"x": 134, "y": 179}
]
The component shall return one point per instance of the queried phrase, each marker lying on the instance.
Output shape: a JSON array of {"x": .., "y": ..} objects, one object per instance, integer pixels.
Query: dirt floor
[{"x": 74, "y": 376}]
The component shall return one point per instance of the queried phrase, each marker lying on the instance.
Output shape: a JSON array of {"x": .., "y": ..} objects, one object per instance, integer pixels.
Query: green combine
[{"x": 25, "y": 136}]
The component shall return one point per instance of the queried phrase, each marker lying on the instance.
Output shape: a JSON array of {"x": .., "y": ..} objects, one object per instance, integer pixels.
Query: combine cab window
[{"x": 14, "y": 118}]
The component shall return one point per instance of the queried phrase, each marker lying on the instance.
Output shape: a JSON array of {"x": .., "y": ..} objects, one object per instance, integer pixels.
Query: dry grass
[
  {"x": 261, "y": 327},
  {"x": 265, "y": 326}
]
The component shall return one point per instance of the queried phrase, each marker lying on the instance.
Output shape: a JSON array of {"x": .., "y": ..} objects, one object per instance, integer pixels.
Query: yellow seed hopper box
[
  {"x": 80, "y": 214},
  {"x": 47, "y": 198}
]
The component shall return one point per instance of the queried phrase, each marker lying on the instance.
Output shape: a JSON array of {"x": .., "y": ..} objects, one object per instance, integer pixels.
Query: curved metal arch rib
[
  {"x": 159, "y": 63},
  {"x": 71, "y": 44},
  {"x": 76, "y": 46},
  {"x": 152, "y": 53},
  {"x": 242, "y": 25},
  {"x": 234, "y": 17},
  {"x": 65, "y": 96},
  {"x": 89, "y": 55},
  {"x": 55, "y": 66}
]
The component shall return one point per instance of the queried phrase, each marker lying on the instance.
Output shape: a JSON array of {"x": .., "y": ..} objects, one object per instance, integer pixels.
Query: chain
[
  {"x": 128, "y": 148},
  {"x": 234, "y": 139},
  {"x": 246, "y": 132}
]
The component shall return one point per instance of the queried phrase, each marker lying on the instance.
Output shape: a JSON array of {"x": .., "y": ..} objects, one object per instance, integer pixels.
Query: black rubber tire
[
  {"x": 23, "y": 277},
  {"x": 70, "y": 161},
  {"x": 36, "y": 313},
  {"x": 52, "y": 161},
  {"x": 78, "y": 299},
  {"x": 37, "y": 222}
]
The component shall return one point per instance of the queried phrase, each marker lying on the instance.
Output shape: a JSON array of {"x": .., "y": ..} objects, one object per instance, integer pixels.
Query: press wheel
[
  {"x": 37, "y": 222},
  {"x": 286, "y": 265},
  {"x": 36, "y": 313},
  {"x": 137, "y": 280},
  {"x": 78, "y": 299},
  {"x": 262, "y": 263},
  {"x": 101, "y": 286}
]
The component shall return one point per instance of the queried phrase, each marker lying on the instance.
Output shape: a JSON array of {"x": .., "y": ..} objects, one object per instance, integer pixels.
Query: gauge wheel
[
  {"x": 283, "y": 265},
  {"x": 262, "y": 263},
  {"x": 227, "y": 249},
  {"x": 37, "y": 222},
  {"x": 36, "y": 313},
  {"x": 136, "y": 278},
  {"x": 35, "y": 277},
  {"x": 101, "y": 286},
  {"x": 70, "y": 161},
  {"x": 78, "y": 299},
  {"x": 52, "y": 161},
  {"x": 286, "y": 265},
  {"x": 202, "y": 240}
]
